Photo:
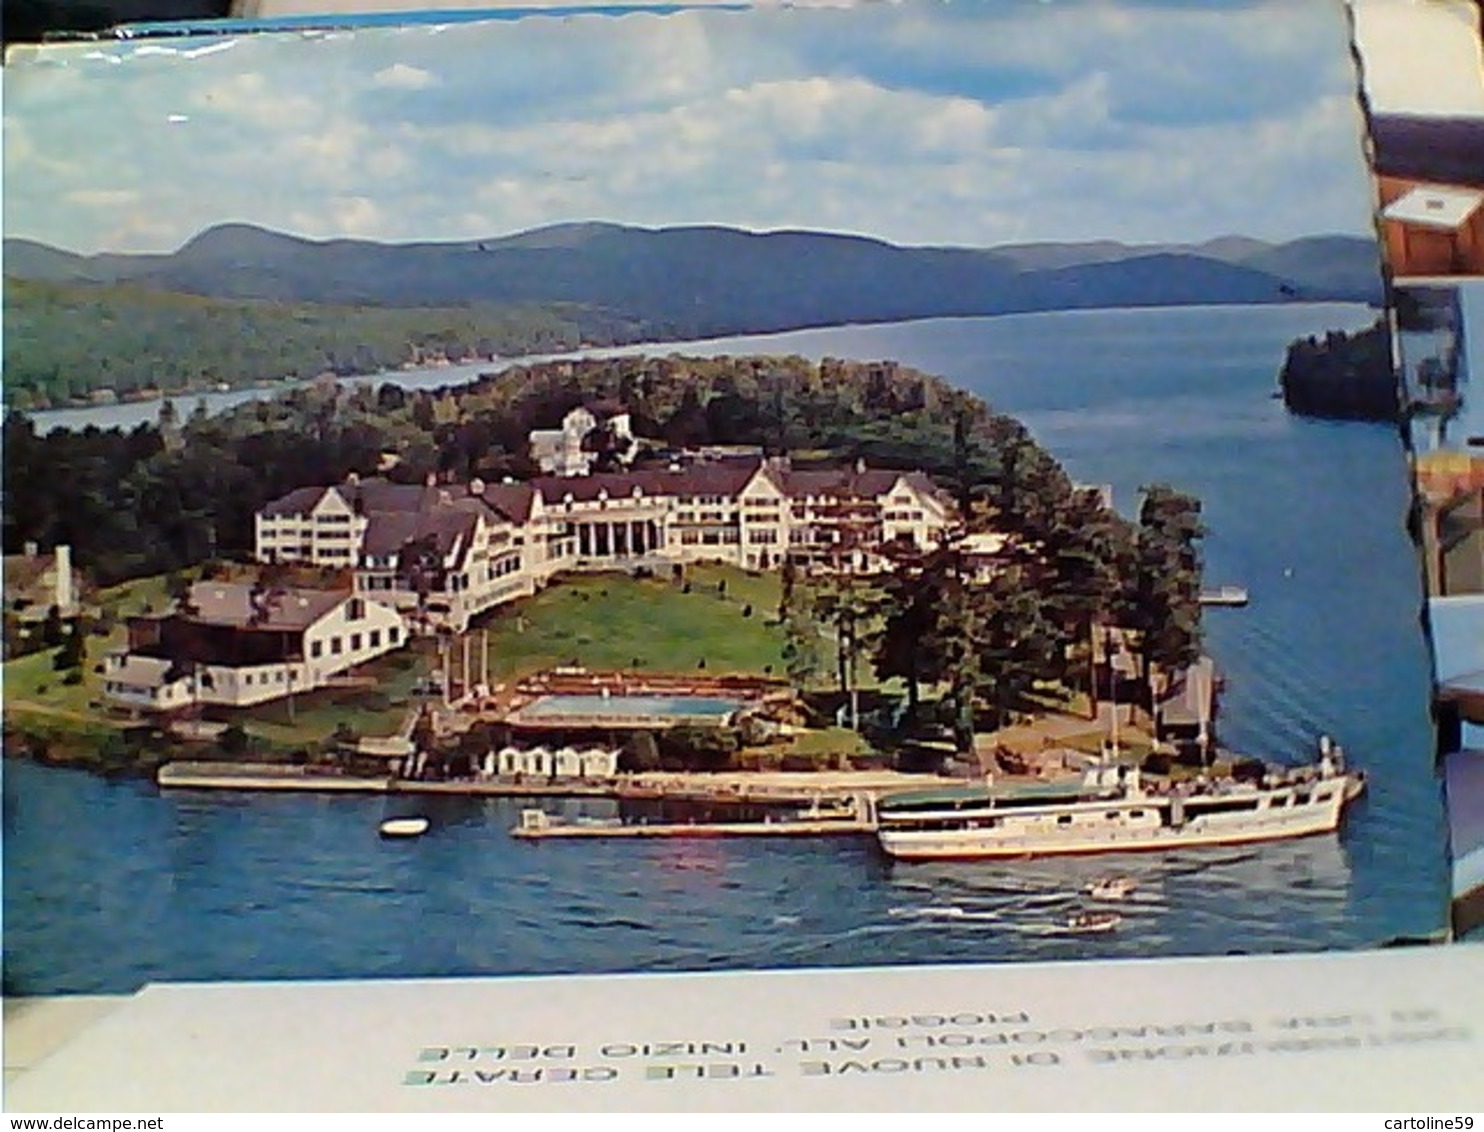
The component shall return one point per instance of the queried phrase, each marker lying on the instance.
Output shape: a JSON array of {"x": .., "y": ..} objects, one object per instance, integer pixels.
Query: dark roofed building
[
  {"x": 237, "y": 644},
  {"x": 443, "y": 553},
  {"x": 300, "y": 501},
  {"x": 512, "y": 501}
]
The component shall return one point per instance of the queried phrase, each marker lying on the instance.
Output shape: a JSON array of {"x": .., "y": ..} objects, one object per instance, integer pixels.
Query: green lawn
[
  {"x": 314, "y": 716},
  {"x": 615, "y": 621},
  {"x": 33, "y": 689},
  {"x": 602, "y": 621},
  {"x": 36, "y": 698}
]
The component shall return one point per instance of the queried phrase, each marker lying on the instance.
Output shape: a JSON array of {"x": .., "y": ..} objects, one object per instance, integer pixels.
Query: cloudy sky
[{"x": 975, "y": 123}]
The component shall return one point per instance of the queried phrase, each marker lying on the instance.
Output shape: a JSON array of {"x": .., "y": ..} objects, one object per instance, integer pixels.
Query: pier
[
  {"x": 191, "y": 775},
  {"x": 537, "y": 825},
  {"x": 1225, "y": 595}
]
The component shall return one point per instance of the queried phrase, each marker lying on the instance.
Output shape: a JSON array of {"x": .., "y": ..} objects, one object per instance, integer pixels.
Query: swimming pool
[{"x": 712, "y": 708}]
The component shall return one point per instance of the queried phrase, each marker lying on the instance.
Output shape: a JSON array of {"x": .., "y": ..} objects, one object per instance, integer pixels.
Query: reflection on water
[{"x": 1193, "y": 894}]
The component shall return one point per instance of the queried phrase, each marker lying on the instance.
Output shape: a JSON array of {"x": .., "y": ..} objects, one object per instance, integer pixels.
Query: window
[
  {"x": 334, "y": 646},
  {"x": 1065, "y": 819},
  {"x": 393, "y": 634},
  {"x": 376, "y": 638},
  {"x": 316, "y": 649},
  {"x": 355, "y": 642},
  {"x": 355, "y": 609}
]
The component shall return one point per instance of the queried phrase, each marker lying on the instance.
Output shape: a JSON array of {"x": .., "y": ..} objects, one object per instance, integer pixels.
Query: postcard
[{"x": 707, "y": 490}]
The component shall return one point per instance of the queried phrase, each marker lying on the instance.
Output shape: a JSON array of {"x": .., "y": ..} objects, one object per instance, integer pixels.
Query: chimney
[
  {"x": 860, "y": 466},
  {"x": 353, "y": 478},
  {"x": 431, "y": 481},
  {"x": 64, "y": 594},
  {"x": 32, "y": 550},
  {"x": 476, "y": 486}
]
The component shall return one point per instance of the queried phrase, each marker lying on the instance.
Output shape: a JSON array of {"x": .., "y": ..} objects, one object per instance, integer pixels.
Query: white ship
[{"x": 1113, "y": 810}]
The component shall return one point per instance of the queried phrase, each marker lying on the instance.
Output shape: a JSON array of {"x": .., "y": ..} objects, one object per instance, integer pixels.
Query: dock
[
  {"x": 801, "y": 827},
  {"x": 190, "y": 775},
  {"x": 1225, "y": 595}
]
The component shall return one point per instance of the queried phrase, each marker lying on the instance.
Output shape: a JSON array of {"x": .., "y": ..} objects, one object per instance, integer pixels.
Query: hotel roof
[
  {"x": 713, "y": 477},
  {"x": 240, "y": 606}
]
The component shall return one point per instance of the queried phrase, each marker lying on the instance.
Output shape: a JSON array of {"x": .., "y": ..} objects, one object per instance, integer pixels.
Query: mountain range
[{"x": 696, "y": 281}]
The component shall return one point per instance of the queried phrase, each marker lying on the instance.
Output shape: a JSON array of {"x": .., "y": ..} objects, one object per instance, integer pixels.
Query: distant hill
[
  {"x": 240, "y": 305},
  {"x": 699, "y": 280}
]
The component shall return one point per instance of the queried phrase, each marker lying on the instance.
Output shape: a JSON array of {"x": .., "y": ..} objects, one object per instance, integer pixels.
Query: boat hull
[
  {"x": 1127, "y": 826},
  {"x": 404, "y": 827},
  {"x": 904, "y": 849}
]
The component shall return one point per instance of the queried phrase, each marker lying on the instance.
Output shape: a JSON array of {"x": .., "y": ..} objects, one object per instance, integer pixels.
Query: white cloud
[
  {"x": 102, "y": 198},
  {"x": 402, "y": 76},
  {"x": 357, "y": 216},
  {"x": 915, "y": 122},
  {"x": 250, "y": 97}
]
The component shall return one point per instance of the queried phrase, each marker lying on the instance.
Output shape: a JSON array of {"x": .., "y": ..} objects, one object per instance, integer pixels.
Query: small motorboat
[
  {"x": 1088, "y": 923},
  {"x": 1112, "y": 888},
  {"x": 404, "y": 827}
]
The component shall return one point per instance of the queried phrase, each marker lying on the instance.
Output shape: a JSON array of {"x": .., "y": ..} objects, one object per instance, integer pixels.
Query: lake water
[{"x": 109, "y": 885}]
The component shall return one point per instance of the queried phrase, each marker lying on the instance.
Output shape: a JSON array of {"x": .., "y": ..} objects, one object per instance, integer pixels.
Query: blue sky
[{"x": 974, "y": 123}]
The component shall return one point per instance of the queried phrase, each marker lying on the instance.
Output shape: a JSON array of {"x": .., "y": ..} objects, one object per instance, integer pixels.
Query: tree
[
  {"x": 1162, "y": 600},
  {"x": 688, "y": 425},
  {"x": 803, "y": 655},
  {"x": 53, "y": 630},
  {"x": 849, "y": 605},
  {"x": 234, "y": 741},
  {"x": 701, "y": 748},
  {"x": 788, "y": 579},
  {"x": 640, "y": 753},
  {"x": 904, "y": 648},
  {"x": 74, "y": 651},
  {"x": 1018, "y": 645}
]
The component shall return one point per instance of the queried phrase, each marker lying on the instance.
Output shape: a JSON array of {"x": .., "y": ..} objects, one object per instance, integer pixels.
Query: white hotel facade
[{"x": 443, "y": 553}]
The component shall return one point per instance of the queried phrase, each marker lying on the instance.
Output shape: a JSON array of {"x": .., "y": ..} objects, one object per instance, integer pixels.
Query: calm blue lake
[{"x": 109, "y": 885}]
